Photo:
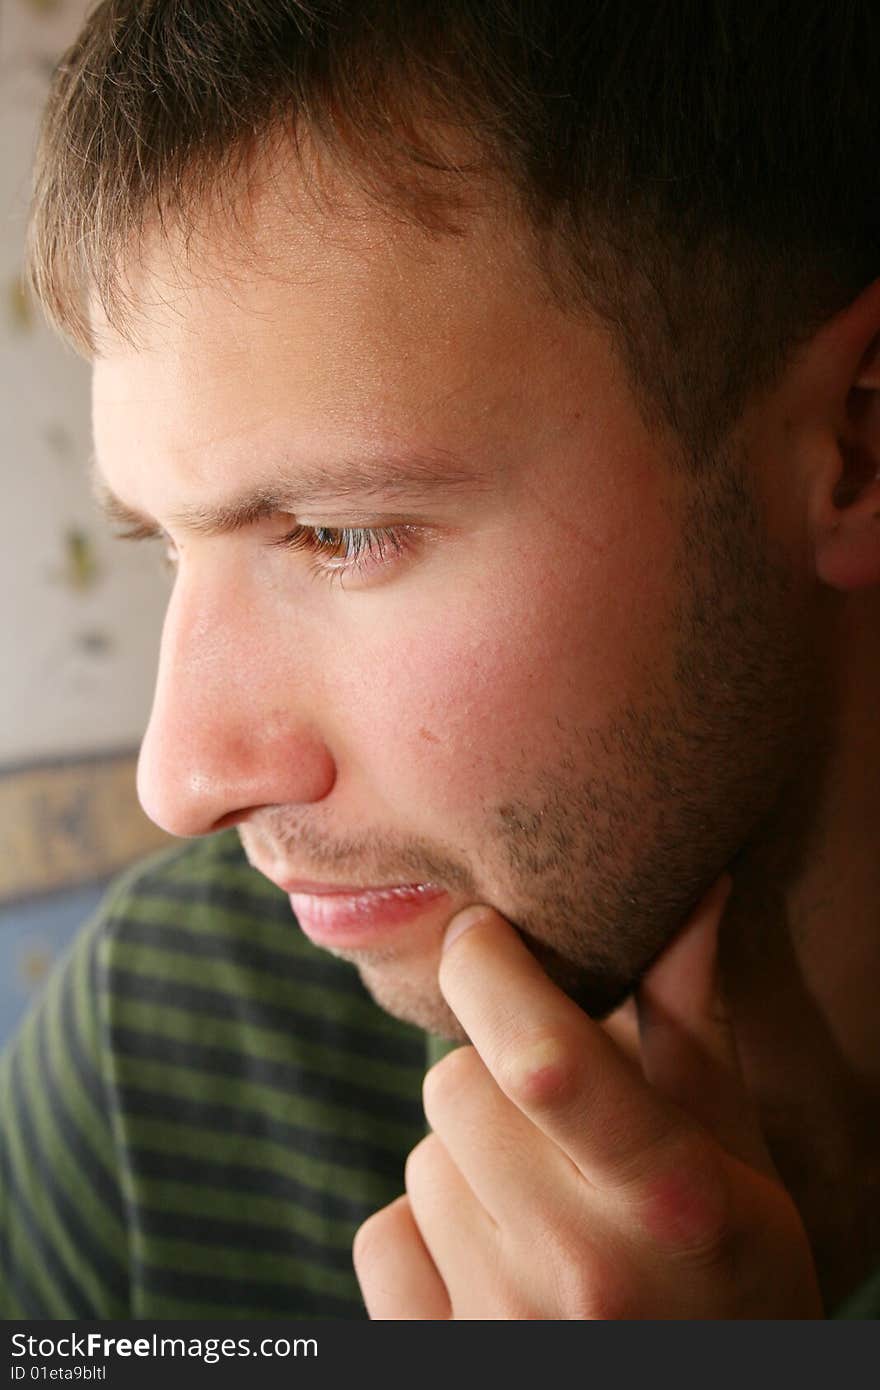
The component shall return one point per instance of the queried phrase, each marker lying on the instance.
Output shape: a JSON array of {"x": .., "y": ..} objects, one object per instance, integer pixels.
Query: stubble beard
[{"x": 605, "y": 865}]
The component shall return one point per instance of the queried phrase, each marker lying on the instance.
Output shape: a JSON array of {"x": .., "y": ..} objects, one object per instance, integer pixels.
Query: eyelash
[{"x": 357, "y": 547}]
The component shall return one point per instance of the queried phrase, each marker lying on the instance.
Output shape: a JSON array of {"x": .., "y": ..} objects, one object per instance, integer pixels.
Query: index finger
[{"x": 550, "y": 1059}]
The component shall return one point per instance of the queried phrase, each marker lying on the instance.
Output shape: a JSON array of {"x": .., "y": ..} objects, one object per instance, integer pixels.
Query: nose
[{"x": 233, "y": 725}]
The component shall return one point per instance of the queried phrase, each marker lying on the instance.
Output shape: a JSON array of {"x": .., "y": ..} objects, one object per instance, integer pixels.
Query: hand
[{"x": 563, "y": 1179}]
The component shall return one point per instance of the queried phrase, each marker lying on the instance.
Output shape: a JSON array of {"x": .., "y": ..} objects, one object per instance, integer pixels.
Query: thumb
[{"x": 688, "y": 1041}]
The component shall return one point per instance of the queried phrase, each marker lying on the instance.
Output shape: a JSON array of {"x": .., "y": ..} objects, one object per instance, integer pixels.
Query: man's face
[{"x": 567, "y": 679}]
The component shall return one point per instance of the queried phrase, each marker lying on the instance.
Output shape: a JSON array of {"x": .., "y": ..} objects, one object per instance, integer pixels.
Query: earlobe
[{"x": 849, "y": 558}]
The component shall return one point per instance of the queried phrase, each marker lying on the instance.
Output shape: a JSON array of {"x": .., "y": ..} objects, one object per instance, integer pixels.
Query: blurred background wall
[{"x": 80, "y": 613}]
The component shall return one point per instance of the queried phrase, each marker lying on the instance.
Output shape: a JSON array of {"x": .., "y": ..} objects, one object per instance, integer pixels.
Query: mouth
[{"x": 348, "y": 916}]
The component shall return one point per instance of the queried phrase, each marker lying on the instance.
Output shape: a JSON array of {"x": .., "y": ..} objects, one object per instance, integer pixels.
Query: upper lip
[
  {"x": 305, "y": 885},
  {"x": 298, "y": 885}
]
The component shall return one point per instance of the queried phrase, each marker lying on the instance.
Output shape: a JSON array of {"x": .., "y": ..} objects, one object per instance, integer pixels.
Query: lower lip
[{"x": 351, "y": 920}]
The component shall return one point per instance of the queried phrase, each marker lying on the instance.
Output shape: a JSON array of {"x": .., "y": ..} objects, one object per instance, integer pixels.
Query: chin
[
  {"x": 414, "y": 996},
  {"x": 597, "y": 991},
  {"x": 422, "y": 1006}
]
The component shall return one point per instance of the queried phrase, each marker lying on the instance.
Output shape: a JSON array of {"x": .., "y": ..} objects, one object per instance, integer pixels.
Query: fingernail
[{"x": 463, "y": 921}]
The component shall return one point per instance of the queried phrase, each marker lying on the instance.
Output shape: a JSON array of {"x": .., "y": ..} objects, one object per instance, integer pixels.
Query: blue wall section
[{"x": 33, "y": 936}]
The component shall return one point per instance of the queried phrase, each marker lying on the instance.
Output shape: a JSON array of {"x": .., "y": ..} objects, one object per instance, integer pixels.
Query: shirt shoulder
[{"x": 864, "y": 1302}]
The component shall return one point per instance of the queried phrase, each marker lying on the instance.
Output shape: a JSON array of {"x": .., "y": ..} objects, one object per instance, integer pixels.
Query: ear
[{"x": 846, "y": 499}]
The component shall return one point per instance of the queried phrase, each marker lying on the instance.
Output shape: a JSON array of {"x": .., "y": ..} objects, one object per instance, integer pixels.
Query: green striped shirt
[{"x": 202, "y": 1110}]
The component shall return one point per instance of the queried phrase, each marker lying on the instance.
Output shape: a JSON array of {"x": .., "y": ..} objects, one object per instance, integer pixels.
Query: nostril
[{"x": 191, "y": 788}]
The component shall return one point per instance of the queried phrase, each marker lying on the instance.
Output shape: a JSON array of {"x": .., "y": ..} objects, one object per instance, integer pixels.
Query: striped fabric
[{"x": 203, "y": 1109}]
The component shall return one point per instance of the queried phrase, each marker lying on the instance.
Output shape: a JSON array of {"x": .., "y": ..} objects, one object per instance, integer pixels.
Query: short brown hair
[{"x": 703, "y": 175}]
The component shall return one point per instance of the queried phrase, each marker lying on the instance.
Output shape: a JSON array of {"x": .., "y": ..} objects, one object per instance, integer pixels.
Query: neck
[{"x": 800, "y": 955}]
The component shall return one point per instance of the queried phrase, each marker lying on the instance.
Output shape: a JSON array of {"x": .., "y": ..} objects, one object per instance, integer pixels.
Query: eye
[
  {"x": 151, "y": 533},
  {"x": 343, "y": 550},
  {"x": 335, "y": 551}
]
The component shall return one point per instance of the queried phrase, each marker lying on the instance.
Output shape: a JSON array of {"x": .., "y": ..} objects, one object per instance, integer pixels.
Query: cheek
[
  {"x": 437, "y": 714},
  {"x": 449, "y": 714}
]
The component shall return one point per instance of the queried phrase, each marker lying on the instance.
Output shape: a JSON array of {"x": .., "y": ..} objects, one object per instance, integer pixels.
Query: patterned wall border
[{"x": 70, "y": 821}]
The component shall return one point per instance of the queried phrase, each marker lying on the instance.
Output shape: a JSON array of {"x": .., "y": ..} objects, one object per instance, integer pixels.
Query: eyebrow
[{"x": 409, "y": 479}]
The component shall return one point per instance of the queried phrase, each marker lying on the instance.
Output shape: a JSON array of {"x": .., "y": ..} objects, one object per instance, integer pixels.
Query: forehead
[
  {"x": 288, "y": 323},
  {"x": 279, "y": 262}
]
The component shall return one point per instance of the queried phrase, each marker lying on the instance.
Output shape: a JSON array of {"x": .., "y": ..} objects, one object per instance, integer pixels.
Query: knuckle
[
  {"x": 372, "y": 1235},
  {"x": 683, "y": 1204},
  {"x": 444, "y": 1082},
  {"x": 421, "y": 1164},
  {"x": 541, "y": 1072}
]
